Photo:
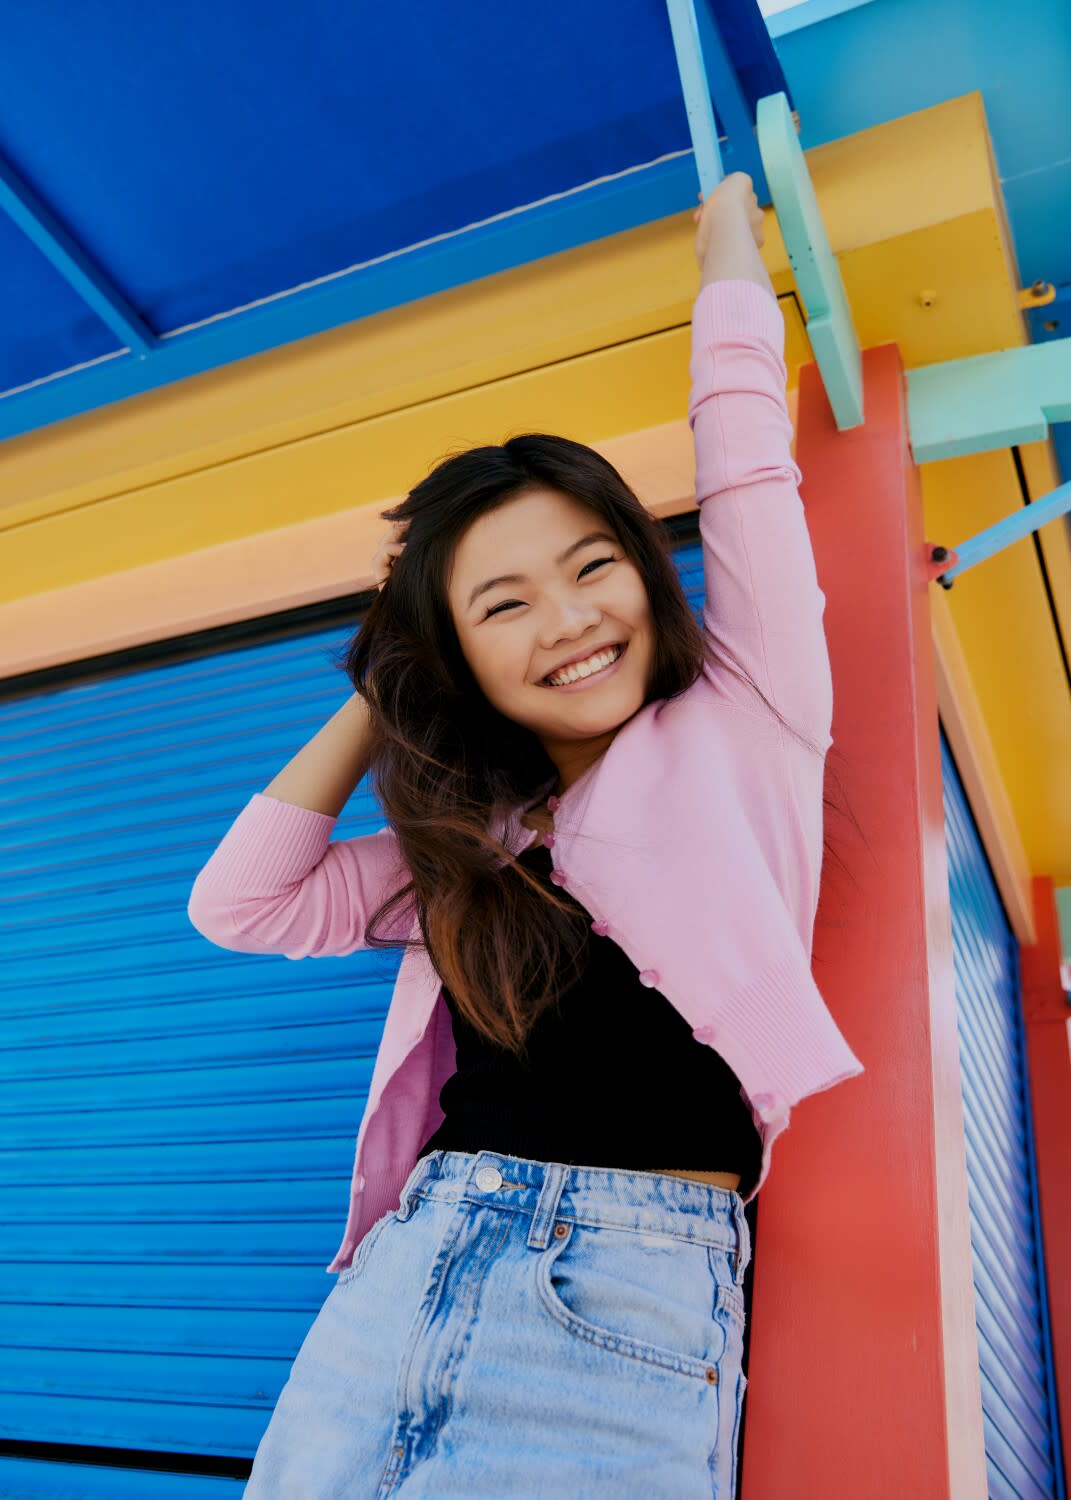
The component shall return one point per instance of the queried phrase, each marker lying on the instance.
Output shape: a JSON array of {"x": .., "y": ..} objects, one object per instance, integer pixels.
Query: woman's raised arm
[
  {"x": 763, "y": 607},
  {"x": 277, "y": 883}
]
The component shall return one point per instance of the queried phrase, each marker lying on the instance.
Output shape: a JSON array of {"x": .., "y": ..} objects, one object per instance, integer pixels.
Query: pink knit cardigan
[{"x": 695, "y": 841}]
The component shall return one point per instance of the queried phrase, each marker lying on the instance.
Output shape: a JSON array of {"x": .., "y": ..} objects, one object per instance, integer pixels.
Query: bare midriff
[
  {"x": 717, "y": 1179},
  {"x": 540, "y": 820}
]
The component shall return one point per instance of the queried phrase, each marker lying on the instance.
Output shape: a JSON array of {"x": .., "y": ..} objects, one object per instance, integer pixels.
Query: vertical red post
[
  {"x": 1047, "y": 1024},
  {"x": 863, "y": 1361}
]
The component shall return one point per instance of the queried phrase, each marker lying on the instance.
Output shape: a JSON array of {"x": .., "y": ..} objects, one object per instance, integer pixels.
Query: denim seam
[
  {"x": 452, "y": 1362},
  {"x": 727, "y": 1248},
  {"x": 615, "y": 1343}
]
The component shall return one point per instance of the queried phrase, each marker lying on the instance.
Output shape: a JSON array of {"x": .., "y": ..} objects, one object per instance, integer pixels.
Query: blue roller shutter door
[
  {"x": 177, "y": 1120},
  {"x": 1013, "y": 1345}
]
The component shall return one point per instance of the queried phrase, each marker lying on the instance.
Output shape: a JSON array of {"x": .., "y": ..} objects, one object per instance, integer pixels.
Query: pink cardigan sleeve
[
  {"x": 276, "y": 883},
  {"x": 763, "y": 607}
]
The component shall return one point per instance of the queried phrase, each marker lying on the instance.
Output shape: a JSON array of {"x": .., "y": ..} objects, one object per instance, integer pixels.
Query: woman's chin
[{"x": 584, "y": 717}]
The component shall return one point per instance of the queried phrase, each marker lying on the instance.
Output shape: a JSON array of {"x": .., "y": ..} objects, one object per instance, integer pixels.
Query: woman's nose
[{"x": 570, "y": 623}]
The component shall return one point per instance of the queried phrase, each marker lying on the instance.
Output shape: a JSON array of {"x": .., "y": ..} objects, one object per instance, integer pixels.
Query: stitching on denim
[
  {"x": 453, "y": 1362},
  {"x": 352, "y": 1271},
  {"x": 615, "y": 1343},
  {"x": 725, "y": 1248}
]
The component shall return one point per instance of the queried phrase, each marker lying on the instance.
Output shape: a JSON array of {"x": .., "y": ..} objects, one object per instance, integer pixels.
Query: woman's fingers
[{"x": 390, "y": 548}]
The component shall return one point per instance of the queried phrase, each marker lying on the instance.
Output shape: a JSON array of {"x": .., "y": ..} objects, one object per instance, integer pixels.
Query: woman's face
[{"x": 565, "y": 601}]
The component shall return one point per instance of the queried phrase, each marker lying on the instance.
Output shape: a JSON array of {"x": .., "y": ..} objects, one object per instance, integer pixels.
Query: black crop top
[{"x": 613, "y": 1078}]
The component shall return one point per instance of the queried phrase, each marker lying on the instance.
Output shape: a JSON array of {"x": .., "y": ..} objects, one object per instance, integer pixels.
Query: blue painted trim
[
  {"x": 624, "y": 202},
  {"x": 734, "y": 108},
  {"x": 1011, "y": 529},
  {"x": 808, "y": 14},
  {"x": 70, "y": 260},
  {"x": 689, "y": 46},
  {"x": 829, "y": 317}
]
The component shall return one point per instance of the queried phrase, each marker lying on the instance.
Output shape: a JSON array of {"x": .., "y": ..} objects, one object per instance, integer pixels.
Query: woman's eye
[{"x": 508, "y": 603}]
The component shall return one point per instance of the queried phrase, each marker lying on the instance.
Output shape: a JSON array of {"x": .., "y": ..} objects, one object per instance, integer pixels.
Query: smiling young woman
[{"x": 527, "y": 1297}]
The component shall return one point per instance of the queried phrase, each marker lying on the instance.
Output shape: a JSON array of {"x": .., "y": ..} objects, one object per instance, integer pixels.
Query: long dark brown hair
[{"x": 444, "y": 762}]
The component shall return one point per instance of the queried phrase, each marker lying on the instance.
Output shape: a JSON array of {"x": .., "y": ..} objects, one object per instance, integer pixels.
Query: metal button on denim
[{"x": 488, "y": 1178}]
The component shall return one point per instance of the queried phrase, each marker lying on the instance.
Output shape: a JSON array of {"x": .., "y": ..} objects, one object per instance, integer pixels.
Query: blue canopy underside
[{"x": 209, "y": 156}]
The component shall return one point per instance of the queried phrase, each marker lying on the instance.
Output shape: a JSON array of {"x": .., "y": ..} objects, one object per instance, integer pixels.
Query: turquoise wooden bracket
[
  {"x": 829, "y": 318},
  {"x": 988, "y": 400},
  {"x": 695, "y": 85}
]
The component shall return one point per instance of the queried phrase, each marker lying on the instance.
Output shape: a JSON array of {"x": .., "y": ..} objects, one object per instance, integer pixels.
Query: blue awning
[{"x": 200, "y": 165}]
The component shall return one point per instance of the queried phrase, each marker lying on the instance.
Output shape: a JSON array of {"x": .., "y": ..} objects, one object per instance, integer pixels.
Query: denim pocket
[{"x": 633, "y": 1294}]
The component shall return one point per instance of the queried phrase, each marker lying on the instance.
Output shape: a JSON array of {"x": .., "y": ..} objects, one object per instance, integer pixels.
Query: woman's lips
[{"x": 591, "y": 679}]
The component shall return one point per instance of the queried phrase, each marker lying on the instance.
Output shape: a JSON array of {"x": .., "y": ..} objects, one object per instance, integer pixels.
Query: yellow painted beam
[
  {"x": 633, "y": 384},
  {"x": 898, "y": 233},
  {"x": 109, "y": 522},
  {"x": 328, "y": 557},
  {"x": 1002, "y": 619},
  {"x": 979, "y": 768},
  {"x": 1042, "y": 476}
]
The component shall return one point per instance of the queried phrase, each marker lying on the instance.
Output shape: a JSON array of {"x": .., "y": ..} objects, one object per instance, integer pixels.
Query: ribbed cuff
[
  {"x": 726, "y": 308},
  {"x": 794, "y": 1043},
  {"x": 270, "y": 845}
]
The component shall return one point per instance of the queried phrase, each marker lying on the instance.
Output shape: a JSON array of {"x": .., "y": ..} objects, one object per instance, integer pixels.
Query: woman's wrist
[
  {"x": 732, "y": 255},
  {"x": 730, "y": 233}
]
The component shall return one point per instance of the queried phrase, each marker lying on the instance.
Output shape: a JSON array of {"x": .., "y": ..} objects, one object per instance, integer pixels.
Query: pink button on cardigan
[{"x": 695, "y": 840}]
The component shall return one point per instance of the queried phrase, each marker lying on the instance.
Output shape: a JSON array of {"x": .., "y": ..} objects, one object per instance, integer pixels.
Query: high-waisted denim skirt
[{"x": 523, "y": 1328}]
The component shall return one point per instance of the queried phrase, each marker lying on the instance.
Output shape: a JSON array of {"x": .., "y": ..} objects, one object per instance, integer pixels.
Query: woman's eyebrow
[{"x": 592, "y": 536}]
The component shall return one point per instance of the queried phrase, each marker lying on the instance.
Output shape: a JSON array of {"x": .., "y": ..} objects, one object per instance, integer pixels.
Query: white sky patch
[{"x": 774, "y": 7}]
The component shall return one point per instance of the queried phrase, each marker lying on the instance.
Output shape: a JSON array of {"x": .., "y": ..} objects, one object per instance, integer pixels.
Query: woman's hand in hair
[
  {"x": 390, "y": 547},
  {"x": 729, "y": 234}
]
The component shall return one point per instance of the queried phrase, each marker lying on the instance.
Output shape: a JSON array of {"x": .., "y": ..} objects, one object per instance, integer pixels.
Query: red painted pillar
[
  {"x": 1047, "y": 1023},
  {"x": 863, "y": 1360}
]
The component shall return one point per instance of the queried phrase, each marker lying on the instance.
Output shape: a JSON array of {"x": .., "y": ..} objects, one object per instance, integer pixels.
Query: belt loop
[
  {"x": 743, "y": 1241},
  {"x": 424, "y": 1168},
  {"x": 547, "y": 1207}
]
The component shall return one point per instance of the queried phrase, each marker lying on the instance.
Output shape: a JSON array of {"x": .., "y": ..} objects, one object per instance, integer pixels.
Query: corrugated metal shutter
[
  {"x": 1013, "y": 1342},
  {"x": 178, "y": 1121}
]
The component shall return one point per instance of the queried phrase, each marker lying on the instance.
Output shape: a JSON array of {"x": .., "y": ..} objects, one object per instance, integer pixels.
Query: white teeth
[{"x": 585, "y": 668}]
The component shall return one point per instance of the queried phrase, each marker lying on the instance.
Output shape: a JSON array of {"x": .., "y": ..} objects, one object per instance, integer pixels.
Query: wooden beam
[
  {"x": 988, "y": 400},
  {"x": 829, "y": 317}
]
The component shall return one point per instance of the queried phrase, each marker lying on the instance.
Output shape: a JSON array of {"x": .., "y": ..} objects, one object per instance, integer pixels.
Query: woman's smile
[{"x": 591, "y": 678}]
